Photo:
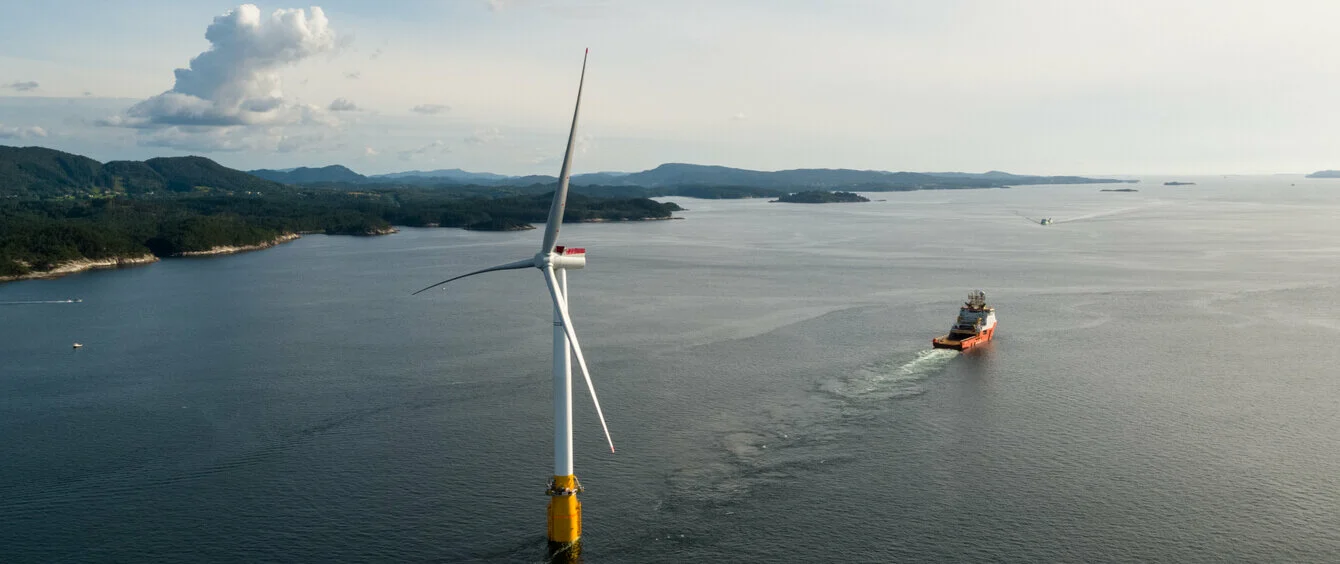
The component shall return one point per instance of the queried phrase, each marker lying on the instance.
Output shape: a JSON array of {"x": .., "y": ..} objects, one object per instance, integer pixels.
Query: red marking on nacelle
[{"x": 574, "y": 251}]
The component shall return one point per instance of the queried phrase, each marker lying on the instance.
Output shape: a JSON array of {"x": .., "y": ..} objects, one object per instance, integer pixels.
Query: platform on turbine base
[{"x": 565, "y": 512}]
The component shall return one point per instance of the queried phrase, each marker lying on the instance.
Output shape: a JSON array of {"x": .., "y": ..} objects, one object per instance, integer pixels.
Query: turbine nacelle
[{"x": 563, "y": 258}]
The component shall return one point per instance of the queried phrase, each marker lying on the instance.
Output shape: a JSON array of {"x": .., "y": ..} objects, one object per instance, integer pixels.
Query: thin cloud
[
  {"x": 375, "y": 53},
  {"x": 430, "y": 109},
  {"x": 291, "y": 143},
  {"x": 230, "y": 139},
  {"x": 23, "y": 86},
  {"x": 739, "y": 117},
  {"x": 21, "y": 132},
  {"x": 370, "y": 152},
  {"x": 436, "y": 147},
  {"x": 353, "y": 75},
  {"x": 198, "y": 138},
  {"x": 343, "y": 105},
  {"x": 484, "y": 136}
]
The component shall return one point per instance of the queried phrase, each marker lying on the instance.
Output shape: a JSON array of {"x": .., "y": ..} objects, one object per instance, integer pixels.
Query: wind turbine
[{"x": 565, "y": 512}]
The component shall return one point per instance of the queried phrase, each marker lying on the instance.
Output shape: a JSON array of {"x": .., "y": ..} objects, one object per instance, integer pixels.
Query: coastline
[
  {"x": 603, "y": 220},
  {"x": 81, "y": 265},
  {"x": 230, "y": 249}
]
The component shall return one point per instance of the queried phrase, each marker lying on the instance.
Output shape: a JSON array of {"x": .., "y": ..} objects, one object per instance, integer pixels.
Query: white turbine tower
[{"x": 565, "y": 512}]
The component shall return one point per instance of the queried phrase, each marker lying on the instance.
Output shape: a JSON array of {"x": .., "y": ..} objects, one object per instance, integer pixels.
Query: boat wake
[
  {"x": 894, "y": 378},
  {"x": 796, "y": 442}
]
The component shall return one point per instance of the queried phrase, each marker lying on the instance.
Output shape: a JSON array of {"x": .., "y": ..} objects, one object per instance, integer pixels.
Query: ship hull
[{"x": 945, "y": 342}]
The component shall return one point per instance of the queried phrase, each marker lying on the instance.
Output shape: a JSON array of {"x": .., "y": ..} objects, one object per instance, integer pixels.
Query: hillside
[
  {"x": 1325, "y": 174},
  {"x": 62, "y": 212},
  {"x": 40, "y": 173},
  {"x": 305, "y": 175},
  {"x": 29, "y": 172},
  {"x": 199, "y": 174}
]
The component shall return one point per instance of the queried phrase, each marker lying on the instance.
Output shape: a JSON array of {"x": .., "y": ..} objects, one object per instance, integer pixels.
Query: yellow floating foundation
[{"x": 565, "y": 512}]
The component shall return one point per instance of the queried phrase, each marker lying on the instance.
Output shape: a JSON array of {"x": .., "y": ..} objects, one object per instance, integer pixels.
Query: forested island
[
  {"x": 61, "y": 212},
  {"x": 821, "y": 197},
  {"x": 1176, "y": 183},
  {"x": 1118, "y": 190},
  {"x": 1325, "y": 174}
]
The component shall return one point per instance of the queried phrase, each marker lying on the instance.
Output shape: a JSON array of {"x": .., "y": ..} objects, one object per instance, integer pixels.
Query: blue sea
[{"x": 1163, "y": 387}]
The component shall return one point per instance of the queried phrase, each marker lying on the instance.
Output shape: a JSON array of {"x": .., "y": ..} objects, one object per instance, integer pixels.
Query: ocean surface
[{"x": 1164, "y": 386}]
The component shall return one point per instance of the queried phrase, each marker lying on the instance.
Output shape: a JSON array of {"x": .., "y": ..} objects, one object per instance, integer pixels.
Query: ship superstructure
[{"x": 976, "y": 324}]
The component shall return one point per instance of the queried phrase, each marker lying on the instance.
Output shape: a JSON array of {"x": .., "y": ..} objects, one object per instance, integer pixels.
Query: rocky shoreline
[
  {"x": 230, "y": 249},
  {"x": 82, "y": 265}
]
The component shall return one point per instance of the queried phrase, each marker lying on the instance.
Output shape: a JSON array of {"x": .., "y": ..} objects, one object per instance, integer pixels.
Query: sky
[{"x": 1026, "y": 86}]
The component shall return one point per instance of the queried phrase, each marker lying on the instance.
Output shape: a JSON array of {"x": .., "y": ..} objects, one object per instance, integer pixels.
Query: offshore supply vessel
[{"x": 976, "y": 324}]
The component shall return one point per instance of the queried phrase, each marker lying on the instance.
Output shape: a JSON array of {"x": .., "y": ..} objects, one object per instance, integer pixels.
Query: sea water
[{"x": 1162, "y": 387}]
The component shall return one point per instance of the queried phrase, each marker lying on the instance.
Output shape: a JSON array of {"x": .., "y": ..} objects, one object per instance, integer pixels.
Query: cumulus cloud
[
  {"x": 369, "y": 152},
  {"x": 484, "y": 136},
  {"x": 430, "y": 109},
  {"x": 235, "y": 85},
  {"x": 436, "y": 147},
  {"x": 342, "y": 105},
  {"x": 23, "y": 86},
  {"x": 21, "y": 132}
]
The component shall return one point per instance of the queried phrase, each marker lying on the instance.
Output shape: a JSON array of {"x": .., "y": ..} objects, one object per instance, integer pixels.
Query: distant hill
[
  {"x": 305, "y": 175},
  {"x": 1325, "y": 174},
  {"x": 38, "y": 172},
  {"x": 681, "y": 175},
  {"x": 453, "y": 174}
]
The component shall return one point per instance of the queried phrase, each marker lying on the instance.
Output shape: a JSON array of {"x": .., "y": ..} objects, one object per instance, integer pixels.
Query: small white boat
[{"x": 76, "y": 345}]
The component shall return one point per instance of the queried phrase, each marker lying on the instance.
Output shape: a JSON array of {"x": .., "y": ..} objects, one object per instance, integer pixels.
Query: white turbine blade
[
  {"x": 562, "y": 305},
  {"x": 528, "y": 263},
  {"x": 561, "y": 193}
]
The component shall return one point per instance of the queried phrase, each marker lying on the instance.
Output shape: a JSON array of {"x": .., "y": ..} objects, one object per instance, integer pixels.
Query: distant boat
[
  {"x": 975, "y": 325},
  {"x": 1046, "y": 221},
  {"x": 76, "y": 345}
]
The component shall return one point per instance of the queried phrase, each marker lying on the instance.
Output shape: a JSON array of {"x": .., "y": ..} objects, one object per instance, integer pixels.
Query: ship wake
[{"x": 894, "y": 378}]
